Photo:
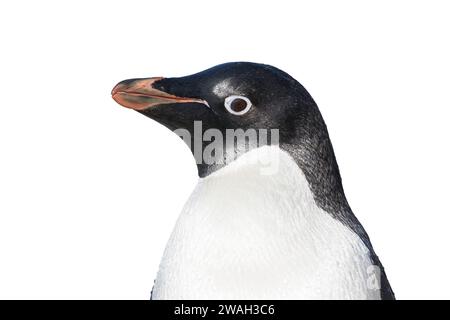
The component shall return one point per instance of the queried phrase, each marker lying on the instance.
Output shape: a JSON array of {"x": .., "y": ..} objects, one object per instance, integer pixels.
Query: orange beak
[{"x": 139, "y": 94}]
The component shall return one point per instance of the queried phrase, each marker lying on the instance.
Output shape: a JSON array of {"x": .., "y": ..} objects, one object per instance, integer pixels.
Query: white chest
[{"x": 249, "y": 232}]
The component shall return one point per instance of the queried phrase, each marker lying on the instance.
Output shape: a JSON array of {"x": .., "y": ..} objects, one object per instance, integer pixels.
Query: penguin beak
[{"x": 139, "y": 94}]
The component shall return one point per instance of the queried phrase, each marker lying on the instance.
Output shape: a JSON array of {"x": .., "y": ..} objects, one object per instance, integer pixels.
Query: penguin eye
[{"x": 237, "y": 105}]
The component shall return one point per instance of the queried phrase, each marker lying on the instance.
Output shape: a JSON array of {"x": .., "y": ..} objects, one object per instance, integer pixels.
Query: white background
[{"x": 89, "y": 191}]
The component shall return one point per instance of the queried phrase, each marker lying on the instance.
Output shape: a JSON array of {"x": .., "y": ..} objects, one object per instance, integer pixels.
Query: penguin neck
[
  {"x": 315, "y": 157},
  {"x": 318, "y": 163}
]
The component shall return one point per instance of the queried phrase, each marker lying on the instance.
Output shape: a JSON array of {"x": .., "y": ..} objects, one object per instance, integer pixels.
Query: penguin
[{"x": 267, "y": 219}]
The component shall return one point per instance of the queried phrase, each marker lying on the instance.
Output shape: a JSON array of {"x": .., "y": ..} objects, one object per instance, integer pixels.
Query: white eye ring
[{"x": 234, "y": 105}]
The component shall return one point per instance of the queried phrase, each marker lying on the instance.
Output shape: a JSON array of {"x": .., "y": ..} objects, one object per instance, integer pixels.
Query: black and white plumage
[{"x": 243, "y": 235}]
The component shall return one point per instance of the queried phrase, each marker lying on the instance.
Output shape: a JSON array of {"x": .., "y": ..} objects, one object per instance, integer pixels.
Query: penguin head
[{"x": 231, "y": 96}]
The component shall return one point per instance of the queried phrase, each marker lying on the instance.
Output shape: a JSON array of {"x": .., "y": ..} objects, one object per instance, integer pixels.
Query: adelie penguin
[{"x": 266, "y": 220}]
